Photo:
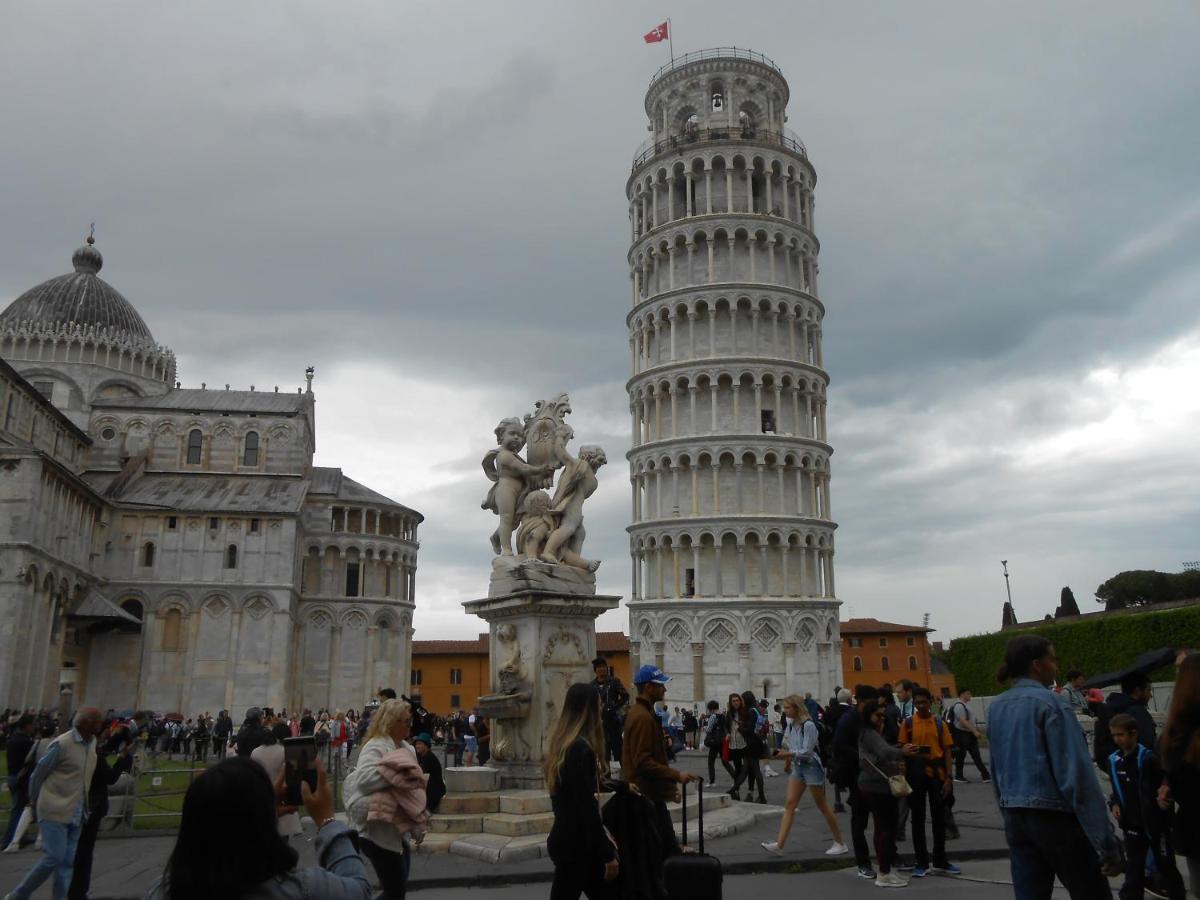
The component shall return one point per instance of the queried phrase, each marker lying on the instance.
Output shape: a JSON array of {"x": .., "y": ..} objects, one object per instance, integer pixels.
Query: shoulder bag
[{"x": 897, "y": 784}]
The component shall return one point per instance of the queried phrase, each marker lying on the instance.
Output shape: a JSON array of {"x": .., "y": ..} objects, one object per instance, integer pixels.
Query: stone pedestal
[{"x": 541, "y": 642}]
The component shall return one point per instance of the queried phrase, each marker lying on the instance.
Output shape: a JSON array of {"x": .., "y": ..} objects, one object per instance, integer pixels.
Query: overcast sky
[{"x": 426, "y": 202}]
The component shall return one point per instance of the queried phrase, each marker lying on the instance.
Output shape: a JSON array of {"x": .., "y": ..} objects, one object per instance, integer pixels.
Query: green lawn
[{"x": 158, "y": 804}]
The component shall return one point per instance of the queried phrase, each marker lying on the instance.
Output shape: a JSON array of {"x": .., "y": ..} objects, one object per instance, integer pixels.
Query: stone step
[
  {"x": 482, "y": 802},
  {"x": 728, "y": 820},
  {"x": 525, "y": 802},
  {"x": 497, "y": 848},
  {"x": 471, "y": 780},
  {"x": 517, "y": 825},
  {"x": 712, "y": 802},
  {"x": 457, "y": 823}
]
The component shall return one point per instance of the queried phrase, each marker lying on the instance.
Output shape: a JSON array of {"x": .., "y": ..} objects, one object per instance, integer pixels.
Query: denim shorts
[
  {"x": 811, "y": 773},
  {"x": 472, "y": 744}
]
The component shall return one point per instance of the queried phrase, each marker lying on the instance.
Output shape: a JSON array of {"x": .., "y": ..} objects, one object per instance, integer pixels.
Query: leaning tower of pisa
[{"x": 732, "y": 533}]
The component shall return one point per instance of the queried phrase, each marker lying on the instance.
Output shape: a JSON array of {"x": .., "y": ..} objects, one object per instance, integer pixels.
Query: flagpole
[{"x": 671, "y": 38}]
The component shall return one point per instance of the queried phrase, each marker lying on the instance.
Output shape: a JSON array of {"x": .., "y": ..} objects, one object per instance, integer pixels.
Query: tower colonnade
[{"x": 732, "y": 533}]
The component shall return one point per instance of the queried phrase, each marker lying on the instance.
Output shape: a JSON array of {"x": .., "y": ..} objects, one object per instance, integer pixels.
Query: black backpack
[
  {"x": 715, "y": 735},
  {"x": 1103, "y": 744}
]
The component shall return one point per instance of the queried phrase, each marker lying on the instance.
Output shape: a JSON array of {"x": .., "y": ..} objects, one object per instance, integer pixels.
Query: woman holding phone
[
  {"x": 803, "y": 763},
  {"x": 270, "y": 755},
  {"x": 234, "y": 805}
]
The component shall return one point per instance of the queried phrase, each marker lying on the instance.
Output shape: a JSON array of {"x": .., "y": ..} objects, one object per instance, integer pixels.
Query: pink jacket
[{"x": 404, "y": 804}]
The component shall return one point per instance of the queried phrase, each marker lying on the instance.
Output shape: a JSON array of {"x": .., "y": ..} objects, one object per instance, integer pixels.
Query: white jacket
[{"x": 364, "y": 780}]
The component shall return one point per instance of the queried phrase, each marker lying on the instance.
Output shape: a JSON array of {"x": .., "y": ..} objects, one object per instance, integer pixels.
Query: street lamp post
[{"x": 1004, "y": 563}]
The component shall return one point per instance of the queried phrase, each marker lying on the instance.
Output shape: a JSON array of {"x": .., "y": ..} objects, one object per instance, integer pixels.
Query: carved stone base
[
  {"x": 514, "y": 575},
  {"x": 540, "y": 643}
]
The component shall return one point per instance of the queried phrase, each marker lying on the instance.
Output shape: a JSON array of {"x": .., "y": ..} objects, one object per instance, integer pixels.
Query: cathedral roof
[
  {"x": 198, "y": 492},
  {"x": 79, "y": 298},
  {"x": 197, "y": 400},
  {"x": 326, "y": 480}
]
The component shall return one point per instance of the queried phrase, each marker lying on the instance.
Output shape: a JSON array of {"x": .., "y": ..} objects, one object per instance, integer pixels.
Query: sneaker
[
  {"x": 890, "y": 879},
  {"x": 772, "y": 847},
  {"x": 947, "y": 869},
  {"x": 761, "y": 799},
  {"x": 919, "y": 872},
  {"x": 866, "y": 872},
  {"x": 12, "y": 848},
  {"x": 952, "y": 834},
  {"x": 958, "y": 780},
  {"x": 987, "y": 780},
  {"x": 904, "y": 867},
  {"x": 837, "y": 849}
]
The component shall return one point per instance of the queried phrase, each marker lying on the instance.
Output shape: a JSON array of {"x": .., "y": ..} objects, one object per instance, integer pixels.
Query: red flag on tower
[{"x": 659, "y": 33}]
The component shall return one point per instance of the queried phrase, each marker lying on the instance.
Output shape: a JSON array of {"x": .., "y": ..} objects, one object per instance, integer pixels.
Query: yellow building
[{"x": 452, "y": 675}]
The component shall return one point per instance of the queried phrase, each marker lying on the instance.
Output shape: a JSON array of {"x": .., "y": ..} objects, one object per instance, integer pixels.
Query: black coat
[
  {"x": 435, "y": 789},
  {"x": 104, "y": 776},
  {"x": 1184, "y": 779},
  {"x": 577, "y": 837},
  {"x": 631, "y": 819}
]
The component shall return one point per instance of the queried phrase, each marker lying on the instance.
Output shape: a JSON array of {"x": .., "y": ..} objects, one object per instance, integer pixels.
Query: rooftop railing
[
  {"x": 715, "y": 53},
  {"x": 651, "y": 147}
]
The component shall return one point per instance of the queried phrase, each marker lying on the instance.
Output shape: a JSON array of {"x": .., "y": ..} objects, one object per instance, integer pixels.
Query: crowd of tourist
[{"x": 895, "y": 752}]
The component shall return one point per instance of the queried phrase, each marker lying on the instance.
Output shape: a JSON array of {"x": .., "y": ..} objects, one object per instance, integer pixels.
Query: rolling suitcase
[{"x": 693, "y": 876}]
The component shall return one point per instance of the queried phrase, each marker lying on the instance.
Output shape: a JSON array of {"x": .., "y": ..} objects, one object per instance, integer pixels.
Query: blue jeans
[
  {"x": 14, "y": 814},
  {"x": 58, "y": 856},
  {"x": 1045, "y": 844}
]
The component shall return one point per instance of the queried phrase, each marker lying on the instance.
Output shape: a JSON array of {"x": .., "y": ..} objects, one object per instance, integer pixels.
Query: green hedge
[{"x": 1090, "y": 645}]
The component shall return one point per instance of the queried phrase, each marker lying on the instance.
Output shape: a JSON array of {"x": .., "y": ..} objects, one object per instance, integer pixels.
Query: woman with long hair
[
  {"x": 803, "y": 763},
  {"x": 715, "y": 732},
  {"x": 584, "y": 857},
  {"x": 737, "y": 742},
  {"x": 229, "y": 844},
  {"x": 880, "y": 761},
  {"x": 1179, "y": 748},
  {"x": 383, "y": 842},
  {"x": 749, "y": 726}
]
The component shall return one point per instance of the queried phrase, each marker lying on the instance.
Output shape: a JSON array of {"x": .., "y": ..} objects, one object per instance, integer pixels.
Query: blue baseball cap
[{"x": 648, "y": 674}]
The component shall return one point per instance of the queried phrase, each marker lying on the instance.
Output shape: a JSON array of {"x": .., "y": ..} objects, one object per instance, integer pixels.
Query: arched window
[
  {"x": 912, "y": 663},
  {"x": 250, "y": 454},
  {"x": 195, "y": 442},
  {"x": 172, "y": 630},
  {"x": 148, "y": 554},
  {"x": 133, "y": 606},
  {"x": 858, "y": 664},
  {"x": 718, "y": 97},
  {"x": 231, "y": 556},
  {"x": 884, "y": 664}
]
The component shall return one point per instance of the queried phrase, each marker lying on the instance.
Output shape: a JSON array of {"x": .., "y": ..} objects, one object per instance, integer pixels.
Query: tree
[
  {"x": 1145, "y": 587},
  {"x": 1066, "y": 604}
]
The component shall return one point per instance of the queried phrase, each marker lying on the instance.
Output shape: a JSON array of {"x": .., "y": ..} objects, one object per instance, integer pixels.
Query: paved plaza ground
[{"x": 125, "y": 867}]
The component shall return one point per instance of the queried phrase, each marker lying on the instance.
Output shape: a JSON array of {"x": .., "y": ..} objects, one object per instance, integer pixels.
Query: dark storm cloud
[{"x": 427, "y": 204}]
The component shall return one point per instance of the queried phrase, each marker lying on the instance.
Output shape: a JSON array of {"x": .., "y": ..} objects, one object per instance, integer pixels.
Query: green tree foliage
[
  {"x": 1145, "y": 587},
  {"x": 1066, "y": 604},
  {"x": 1094, "y": 645}
]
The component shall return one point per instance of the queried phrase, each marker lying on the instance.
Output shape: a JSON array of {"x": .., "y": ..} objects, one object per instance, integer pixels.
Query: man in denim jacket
[{"x": 1055, "y": 819}]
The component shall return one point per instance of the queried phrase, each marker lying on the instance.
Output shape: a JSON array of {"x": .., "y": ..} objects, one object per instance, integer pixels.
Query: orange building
[
  {"x": 874, "y": 652},
  {"x": 453, "y": 675}
]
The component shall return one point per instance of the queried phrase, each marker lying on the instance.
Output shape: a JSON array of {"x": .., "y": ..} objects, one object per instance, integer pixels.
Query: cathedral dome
[{"x": 79, "y": 298}]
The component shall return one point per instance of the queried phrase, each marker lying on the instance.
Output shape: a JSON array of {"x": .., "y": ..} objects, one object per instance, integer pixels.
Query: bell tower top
[{"x": 724, "y": 87}]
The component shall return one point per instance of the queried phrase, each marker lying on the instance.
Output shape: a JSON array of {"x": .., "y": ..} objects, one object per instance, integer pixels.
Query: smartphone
[
  {"x": 926, "y": 749},
  {"x": 299, "y": 764}
]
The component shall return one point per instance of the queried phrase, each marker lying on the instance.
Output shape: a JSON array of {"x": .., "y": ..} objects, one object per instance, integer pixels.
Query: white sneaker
[
  {"x": 837, "y": 849},
  {"x": 891, "y": 879},
  {"x": 12, "y": 848},
  {"x": 772, "y": 847}
]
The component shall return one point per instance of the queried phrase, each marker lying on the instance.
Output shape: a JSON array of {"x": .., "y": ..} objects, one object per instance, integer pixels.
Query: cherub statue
[
  {"x": 511, "y": 476},
  {"x": 536, "y": 524},
  {"x": 577, "y": 482}
]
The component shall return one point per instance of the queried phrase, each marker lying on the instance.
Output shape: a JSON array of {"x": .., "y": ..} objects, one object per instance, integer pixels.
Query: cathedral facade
[{"x": 176, "y": 549}]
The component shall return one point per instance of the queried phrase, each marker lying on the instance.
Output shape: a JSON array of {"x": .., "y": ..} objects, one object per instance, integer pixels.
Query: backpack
[
  {"x": 948, "y": 713},
  {"x": 762, "y": 726},
  {"x": 1103, "y": 745},
  {"x": 715, "y": 734}
]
